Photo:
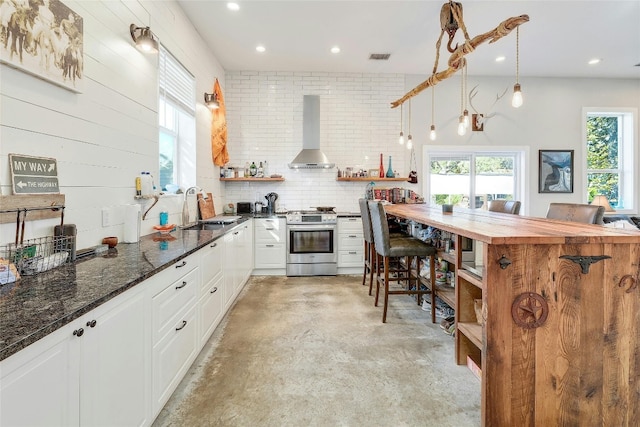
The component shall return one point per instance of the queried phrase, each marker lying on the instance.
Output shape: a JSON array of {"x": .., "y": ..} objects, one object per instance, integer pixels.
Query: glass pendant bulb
[
  {"x": 461, "y": 129},
  {"x": 401, "y": 139},
  {"x": 516, "y": 101},
  {"x": 432, "y": 133},
  {"x": 409, "y": 142},
  {"x": 465, "y": 117}
]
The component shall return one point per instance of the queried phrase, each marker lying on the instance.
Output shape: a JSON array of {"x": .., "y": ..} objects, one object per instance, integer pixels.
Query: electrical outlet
[{"x": 106, "y": 217}]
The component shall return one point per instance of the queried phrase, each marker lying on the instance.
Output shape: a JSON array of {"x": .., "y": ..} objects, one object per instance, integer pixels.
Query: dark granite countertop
[{"x": 35, "y": 306}]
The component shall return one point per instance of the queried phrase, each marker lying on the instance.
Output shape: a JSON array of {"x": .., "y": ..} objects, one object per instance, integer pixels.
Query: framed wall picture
[
  {"x": 45, "y": 39},
  {"x": 555, "y": 171}
]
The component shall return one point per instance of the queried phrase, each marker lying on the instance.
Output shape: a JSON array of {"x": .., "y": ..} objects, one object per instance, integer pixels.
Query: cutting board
[{"x": 206, "y": 207}]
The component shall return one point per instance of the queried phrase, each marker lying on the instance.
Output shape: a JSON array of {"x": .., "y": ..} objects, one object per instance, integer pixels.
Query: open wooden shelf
[
  {"x": 449, "y": 257},
  {"x": 470, "y": 277},
  {"x": 370, "y": 178},
  {"x": 473, "y": 331},
  {"x": 447, "y": 295},
  {"x": 253, "y": 179}
]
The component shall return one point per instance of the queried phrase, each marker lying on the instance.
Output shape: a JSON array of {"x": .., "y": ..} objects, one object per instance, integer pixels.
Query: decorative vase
[
  {"x": 381, "y": 168},
  {"x": 390, "y": 173}
]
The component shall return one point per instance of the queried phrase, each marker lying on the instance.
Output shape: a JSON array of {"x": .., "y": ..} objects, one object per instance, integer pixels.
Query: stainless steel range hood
[{"x": 311, "y": 157}]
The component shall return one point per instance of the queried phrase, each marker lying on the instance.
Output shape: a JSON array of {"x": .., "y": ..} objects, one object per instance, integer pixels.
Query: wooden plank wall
[{"x": 102, "y": 138}]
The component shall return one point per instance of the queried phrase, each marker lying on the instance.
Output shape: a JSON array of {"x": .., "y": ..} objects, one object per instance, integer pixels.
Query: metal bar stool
[{"x": 407, "y": 247}]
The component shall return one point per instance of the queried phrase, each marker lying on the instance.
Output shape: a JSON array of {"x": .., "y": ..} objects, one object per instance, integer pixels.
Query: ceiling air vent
[{"x": 379, "y": 56}]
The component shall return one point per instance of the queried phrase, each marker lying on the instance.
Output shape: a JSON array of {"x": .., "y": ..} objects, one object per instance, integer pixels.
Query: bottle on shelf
[
  {"x": 381, "y": 168},
  {"x": 390, "y": 173},
  {"x": 260, "y": 171},
  {"x": 253, "y": 169},
  {"x": 247, "y": 173},
  {"x": 265, "y": 169}
]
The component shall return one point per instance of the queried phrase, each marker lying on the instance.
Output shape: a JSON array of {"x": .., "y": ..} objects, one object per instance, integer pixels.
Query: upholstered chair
[
  {"x": 587, "y": 214},
  {"x": 505, "y": 206},
  {"x": 408, "y": 247}
]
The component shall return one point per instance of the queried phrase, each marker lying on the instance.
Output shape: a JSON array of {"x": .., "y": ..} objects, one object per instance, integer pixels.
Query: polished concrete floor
[{"x": 314, "y": 352}]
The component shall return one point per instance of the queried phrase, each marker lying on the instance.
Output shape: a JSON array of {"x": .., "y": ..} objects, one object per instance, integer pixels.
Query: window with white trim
[
  {"x": 610, "y": 157},
  {"x": 471, "y": 179},
  {"x": 177, "y": 142}
]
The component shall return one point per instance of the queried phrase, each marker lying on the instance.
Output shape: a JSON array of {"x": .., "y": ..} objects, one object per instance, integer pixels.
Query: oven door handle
[{"x": 314, "y": 227}]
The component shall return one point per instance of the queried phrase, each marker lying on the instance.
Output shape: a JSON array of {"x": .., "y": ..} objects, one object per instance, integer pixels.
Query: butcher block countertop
[{"x": 497, "y": 228}]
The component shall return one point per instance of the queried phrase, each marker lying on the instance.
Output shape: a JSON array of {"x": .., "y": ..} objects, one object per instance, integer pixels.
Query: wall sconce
[
  {"x": 145, "y": 40},
  {"x": 211, "y": 101}
]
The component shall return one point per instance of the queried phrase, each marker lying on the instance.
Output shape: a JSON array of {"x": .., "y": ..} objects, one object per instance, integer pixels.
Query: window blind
[{"x": 177, "y": 84}]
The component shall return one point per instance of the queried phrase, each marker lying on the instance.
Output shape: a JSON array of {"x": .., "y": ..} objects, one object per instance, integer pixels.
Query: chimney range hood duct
[{"x": 311, "y": 157}]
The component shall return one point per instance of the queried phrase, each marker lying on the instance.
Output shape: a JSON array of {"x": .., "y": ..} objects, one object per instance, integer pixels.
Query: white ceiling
[{"x": 559, "y": 39}]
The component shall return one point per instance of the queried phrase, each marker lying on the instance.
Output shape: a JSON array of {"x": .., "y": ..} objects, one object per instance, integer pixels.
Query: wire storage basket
[{"x": 37, "y": 255}]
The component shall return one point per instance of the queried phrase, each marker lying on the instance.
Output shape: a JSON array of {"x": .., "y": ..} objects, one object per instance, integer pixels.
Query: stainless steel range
[{"x": 311, "y": 243}]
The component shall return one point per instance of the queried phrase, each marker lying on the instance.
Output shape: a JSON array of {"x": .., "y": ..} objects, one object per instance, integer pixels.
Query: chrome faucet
[{"x": 185, "y": 206}]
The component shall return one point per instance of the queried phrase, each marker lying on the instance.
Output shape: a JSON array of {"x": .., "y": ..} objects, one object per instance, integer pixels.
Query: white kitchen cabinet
[
  {"x": 118, "y": 364},
  {"x": 245, "y": 252},
  {"x": 39, "y": 385},
  {"x": 230, "y": 269},
  {"x": 211, "y": 301},
  {"x": 174, "y": 328},
  {"x": 90, "y": 372},
  {"x": 114, "y": 375},
  {"x": 270, "y": 239},
  {"x": 350, "y": 242}
]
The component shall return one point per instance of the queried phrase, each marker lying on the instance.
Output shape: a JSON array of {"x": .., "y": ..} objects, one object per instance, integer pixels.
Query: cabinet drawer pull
[
  {"x": 78, "y": 332},
  {"x": 182, "y": 265},
  {"x": 91, "y": 323},
  {"x": 237, "y": 232},
  {"x": 182, "y": 286},
  {"x": 213, "y": 246},
  {"x": 352, "y": 252},
  {"x": 353, "y": 219},
  {"x": 352, "y": 235},
  {"x": 270, "y": 228},
  {"x": 269, "y": 246},
  {"x": 214, "y": 290},
  {"x": 184, "y": 323}
]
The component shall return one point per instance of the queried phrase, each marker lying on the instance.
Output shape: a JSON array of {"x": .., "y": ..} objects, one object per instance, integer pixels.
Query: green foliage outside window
[{"x": 603, "y": 158}]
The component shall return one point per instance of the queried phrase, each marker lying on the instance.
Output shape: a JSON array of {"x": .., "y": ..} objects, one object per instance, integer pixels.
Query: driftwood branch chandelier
[{"x": 450, "y": 21}]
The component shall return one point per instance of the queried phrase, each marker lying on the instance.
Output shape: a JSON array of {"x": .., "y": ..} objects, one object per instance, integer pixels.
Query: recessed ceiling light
[
  {"x": 594, "y": 61},
  {"x": 260, "y": 48},
  {"x": 233, "y": 6},
  {"x": 335, "y": 49},
  {"x": 500, "y": 58}
]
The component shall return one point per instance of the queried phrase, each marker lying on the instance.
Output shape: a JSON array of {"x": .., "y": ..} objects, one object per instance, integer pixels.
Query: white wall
[
  {"x": 103, "y": 137},
  {"x": 264, "y": 115},
  {"x": 551, "y": 118}
]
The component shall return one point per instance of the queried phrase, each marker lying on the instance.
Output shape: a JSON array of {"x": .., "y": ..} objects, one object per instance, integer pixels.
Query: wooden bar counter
[{"x": 559, "y": 344}]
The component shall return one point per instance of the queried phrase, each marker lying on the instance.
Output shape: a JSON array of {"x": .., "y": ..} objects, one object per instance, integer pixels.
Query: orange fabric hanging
[{"x": 219, "y": 130}]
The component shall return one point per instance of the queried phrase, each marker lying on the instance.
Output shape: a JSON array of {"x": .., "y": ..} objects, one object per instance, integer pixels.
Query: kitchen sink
[{"x": 207, "y": 226}]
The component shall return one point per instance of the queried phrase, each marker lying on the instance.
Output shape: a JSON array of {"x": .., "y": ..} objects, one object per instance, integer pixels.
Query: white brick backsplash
[{"x": 264, "y": 119}]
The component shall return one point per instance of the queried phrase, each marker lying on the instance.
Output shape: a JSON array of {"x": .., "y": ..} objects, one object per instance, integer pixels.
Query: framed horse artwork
[{"x": 43, "y": 38}]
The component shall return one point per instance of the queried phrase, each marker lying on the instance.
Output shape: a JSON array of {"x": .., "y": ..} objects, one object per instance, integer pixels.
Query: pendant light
[
  {"x": 409, "y": 138},
  {"x": 432, "y": 132},
  {"x": 461, "y": 127},
  {"x": 516, "y": 101},
  {"x": 465, "y": 113},
  {"x": 401, "y": 139}
]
